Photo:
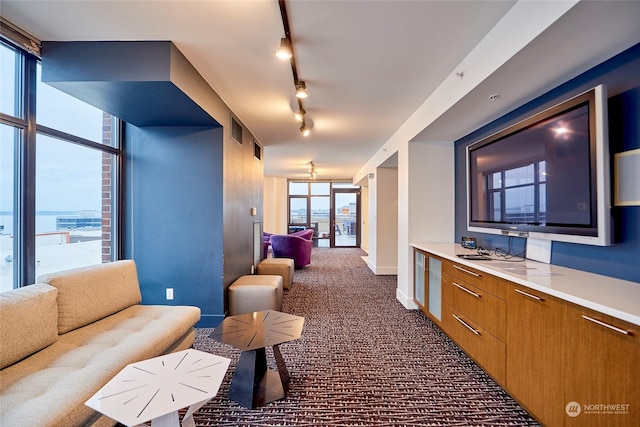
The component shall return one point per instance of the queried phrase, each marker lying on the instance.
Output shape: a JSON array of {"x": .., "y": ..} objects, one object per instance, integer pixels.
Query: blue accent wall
[
  {"x": 189, "y": 187},
  {"x": 621, "y": 75},
  {"x": 174, "y": 215},
  {"x": 141, "y": 82}
]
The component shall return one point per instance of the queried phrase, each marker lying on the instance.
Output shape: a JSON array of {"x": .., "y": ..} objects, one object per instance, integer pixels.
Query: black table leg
[
  {"x": 253, "y": 384},
  {"x": 282, "y": 368}
]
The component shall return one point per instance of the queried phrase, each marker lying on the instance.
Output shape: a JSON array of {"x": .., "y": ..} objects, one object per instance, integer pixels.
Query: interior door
[{"x": 345, "y": 218}]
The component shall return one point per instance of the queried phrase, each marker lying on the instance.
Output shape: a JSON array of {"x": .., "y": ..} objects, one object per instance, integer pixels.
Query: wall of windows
[
  {"x": 330, "y": 209},
  {"x": 60, "y": 161}
]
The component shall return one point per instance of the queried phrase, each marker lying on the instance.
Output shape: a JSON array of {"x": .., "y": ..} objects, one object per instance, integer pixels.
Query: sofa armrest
[{"x": 28, "y": 321}]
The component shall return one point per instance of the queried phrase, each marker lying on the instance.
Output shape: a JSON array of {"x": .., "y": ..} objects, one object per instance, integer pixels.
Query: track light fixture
[
  {"x": 299, "y": 115},
  {"x": 286, "y": 48},
  {"x": 307, "y": 125},
  {"x": 312, "y": 170},
  {"x": 301, "y": 90},
  {"x": 284, "y": 51},
  {"x": 305, "y": 129}
]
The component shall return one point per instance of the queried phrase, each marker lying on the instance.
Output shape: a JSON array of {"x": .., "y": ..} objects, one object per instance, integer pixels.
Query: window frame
[{"x": 24, "y": 209}]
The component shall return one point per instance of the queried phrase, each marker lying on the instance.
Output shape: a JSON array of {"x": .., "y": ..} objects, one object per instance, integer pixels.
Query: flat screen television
[{"x": 546, "y": 177}]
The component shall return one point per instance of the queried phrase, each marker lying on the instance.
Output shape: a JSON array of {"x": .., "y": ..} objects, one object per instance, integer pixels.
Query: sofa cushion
[
  {"x": 50, "y": 387},
  {"x": 28, "y": 321},
  {"x": 92, "y": 293}
]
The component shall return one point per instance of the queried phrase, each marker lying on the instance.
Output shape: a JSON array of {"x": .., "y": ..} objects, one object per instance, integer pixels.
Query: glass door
[{"x": 345, "y": 218}]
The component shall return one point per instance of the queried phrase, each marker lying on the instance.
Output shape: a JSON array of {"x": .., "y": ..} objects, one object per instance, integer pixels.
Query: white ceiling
[{"x": 368, "y": 65}]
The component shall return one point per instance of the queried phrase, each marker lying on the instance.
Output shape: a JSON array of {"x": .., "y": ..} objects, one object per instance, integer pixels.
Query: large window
[
  {"x": 58, "y": 183},
  {"x": 329, "y": 208},
  {"x": 8, "y": 136},
  {"x": 309, "y": 207}
]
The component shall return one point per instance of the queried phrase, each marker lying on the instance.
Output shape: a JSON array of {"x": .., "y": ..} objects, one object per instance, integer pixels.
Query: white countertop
[{"x": 607, "y": 295}]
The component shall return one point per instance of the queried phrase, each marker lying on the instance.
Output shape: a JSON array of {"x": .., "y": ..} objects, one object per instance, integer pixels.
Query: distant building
[{"x": 78, "y": 222}]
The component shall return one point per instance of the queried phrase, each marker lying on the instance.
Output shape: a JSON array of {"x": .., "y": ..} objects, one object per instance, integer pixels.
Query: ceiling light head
[
  {"x": 284, "y": 51},
  {"x": 313, "y": 174},
  {"x": 299, "y": 115},
  {"x": 307, "y": 125},
  {"x": 494, "y": 97},
  {"x": 301, "y": 90},
  {"x": 304, "y": 129}
]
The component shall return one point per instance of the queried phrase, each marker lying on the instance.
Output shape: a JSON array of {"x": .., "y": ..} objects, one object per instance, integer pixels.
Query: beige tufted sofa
[{"x": 62, "y": 339}]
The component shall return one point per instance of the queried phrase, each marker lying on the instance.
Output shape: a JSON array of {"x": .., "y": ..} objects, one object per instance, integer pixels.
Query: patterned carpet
[{"x": 364, "y": 360}]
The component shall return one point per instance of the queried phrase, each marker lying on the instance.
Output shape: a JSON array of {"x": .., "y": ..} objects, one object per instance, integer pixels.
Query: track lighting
[
  {"x": 284, "y": 51},
  {"x": 304, "y": 129},
  {"x": 301, "y": 90},
  {"x": 312, "y": 170},
  {"x": 299, "y": 115},
  {"x": 307, "y": 125}
]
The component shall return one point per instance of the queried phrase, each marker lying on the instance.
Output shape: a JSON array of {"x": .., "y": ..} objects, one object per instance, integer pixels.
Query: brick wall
[{"x": 107, "y": 190}]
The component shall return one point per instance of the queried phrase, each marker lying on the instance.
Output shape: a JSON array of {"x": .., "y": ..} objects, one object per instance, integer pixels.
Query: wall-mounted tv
[{"x": 546, "y": 177}]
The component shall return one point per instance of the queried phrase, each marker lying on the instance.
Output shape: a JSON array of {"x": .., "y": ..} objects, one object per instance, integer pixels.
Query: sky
[{"x": 69, "y": 176}]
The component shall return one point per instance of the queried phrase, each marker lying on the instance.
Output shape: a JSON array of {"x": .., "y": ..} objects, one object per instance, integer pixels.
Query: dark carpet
[{"x": 364, "y": 360}]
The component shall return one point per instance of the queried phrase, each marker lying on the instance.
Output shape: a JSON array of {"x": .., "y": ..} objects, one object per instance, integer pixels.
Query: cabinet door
[
  {"x": 434, "y": 286},
  {"x": 418, "y": 278},
  {"x": 603, "y": 360},
  {"x": 534, "y": 353}
]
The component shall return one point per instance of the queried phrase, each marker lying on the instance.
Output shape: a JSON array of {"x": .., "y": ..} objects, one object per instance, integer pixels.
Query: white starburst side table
[{"x": 155, "y": 389}]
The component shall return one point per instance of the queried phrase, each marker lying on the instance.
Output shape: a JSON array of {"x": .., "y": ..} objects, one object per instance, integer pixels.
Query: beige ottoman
[
  {"x": 280, "y": 267},
  {"x": 255, "y": 293}
]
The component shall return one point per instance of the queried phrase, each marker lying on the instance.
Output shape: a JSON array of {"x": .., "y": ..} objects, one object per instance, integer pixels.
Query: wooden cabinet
[
  {"x": 427, "y": 284},
  {"x": 565, "y": 364},
  {"x": 475, "y": 318},
  {"x": 434, "y": 288},
  {"x": 603, "y": 369},
  {"x": 419, "y": 269},
  {"x": 534, "y": 353}
]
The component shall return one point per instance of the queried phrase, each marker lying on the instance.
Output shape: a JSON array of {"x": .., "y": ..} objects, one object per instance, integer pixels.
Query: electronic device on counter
[
  {"x": 468, "y": 242},
  {"x": 475, "y": 257}
]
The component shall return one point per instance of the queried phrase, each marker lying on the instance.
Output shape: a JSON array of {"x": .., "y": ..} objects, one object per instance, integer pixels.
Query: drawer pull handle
[
  {"x": 466, "y": 290},
  {"x": 466, "y": 325},
  {"x": 606, "y": 325},
  {"x": 466, "y": 271},
  {"x": 526, "y": 294}
]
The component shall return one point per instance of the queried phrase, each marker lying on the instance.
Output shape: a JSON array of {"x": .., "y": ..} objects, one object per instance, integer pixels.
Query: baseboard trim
[
  {"x": 381, "y": 271},
  {"x": 404, "y": 299}
]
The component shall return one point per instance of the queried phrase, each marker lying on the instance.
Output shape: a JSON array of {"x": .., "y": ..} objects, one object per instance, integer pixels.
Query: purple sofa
[{"x": 296, "y": 246}]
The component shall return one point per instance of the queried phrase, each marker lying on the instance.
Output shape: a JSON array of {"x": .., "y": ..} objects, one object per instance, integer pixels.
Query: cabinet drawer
[
  {"x": 467, "y": 274},
  {"x": 465, "y": 332},
  {"x": 488, "y": 311},
  {"x": 489, "y": 352},
  {"x": 467, "y": 299}
]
